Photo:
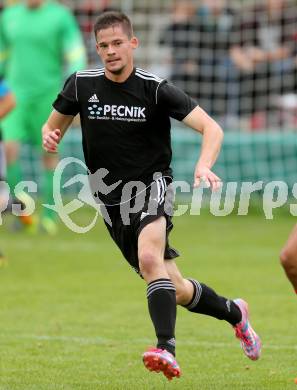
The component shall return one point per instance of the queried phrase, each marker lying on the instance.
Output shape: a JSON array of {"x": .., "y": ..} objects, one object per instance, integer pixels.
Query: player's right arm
[
  {"x": 54, "y": 129},
  {"x": 66, "y": 107}
]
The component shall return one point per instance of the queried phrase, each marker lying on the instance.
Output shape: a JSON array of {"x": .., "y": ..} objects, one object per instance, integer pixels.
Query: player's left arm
[{"x": 212, "y": 139}]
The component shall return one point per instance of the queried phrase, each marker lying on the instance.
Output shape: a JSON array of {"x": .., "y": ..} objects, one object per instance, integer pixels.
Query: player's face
[{"x": 115, "y": 49}]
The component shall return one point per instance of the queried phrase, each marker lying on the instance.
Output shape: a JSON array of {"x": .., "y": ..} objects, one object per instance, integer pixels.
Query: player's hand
[
  {"x": 51, "y": 140},
  {"x": 206, "y": 176}
]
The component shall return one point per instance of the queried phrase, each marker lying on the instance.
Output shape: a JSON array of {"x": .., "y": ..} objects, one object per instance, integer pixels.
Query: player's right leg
[
  {"x": 161, "y": 298},
  {"x": 288, "y": 258},
  {"x": 143, "y": 243}
]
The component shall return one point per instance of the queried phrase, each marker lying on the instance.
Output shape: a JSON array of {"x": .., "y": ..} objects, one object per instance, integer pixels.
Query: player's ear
[
  {"x": 97, "y": 49},
  {"x": 134, "y": 42}
]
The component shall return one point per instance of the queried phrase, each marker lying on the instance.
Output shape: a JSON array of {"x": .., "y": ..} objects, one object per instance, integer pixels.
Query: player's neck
[{"x": 119, "y": 78}]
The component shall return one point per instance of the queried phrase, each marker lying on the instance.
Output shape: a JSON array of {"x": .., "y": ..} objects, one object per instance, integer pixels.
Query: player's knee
[
  {"x": 148, "y": 261},
  {"x": 288, "y": 261}
]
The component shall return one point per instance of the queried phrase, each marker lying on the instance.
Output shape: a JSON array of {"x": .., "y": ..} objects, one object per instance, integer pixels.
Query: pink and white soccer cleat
[
  {"x": 250, "y": 341},
  {"x": 160, "y": 360}
]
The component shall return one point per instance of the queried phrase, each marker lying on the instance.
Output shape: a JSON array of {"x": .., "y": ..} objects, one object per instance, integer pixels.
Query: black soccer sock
[
  {"x": 206, "y": 301},
  {"x": 162, "y": 307}
]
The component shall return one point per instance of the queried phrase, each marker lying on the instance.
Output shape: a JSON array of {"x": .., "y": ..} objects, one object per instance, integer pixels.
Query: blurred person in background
[
  {"x": 181, "y": 36},
  {"x": 264, "y": 51},
  {"x": 201, "y": 64},
  {"x": 216, "y": 84},
  {"x": 288, "y": 258},
  {"x": 38, "y": 39},
  {"x": 7, "y": 104}
]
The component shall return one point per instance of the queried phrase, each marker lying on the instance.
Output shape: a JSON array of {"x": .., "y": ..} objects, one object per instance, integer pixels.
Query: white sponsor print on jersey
[
  {"x": 115, "y": 112},
  {"x": 93, "y": 99}
]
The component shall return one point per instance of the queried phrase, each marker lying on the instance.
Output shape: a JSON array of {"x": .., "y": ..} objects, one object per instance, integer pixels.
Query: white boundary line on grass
[{"x": 101, "y": 340}]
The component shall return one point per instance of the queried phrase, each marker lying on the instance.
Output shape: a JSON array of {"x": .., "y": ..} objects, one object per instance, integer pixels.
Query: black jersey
[{"x": 125, "y": 126}]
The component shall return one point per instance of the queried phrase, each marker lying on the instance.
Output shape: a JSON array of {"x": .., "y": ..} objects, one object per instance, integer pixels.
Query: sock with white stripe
[
  {"x": 162, "y": 307},
  {"x": 206, "y": 301}
]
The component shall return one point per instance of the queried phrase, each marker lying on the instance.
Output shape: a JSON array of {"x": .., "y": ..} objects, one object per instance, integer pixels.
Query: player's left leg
[
  {"x": 288, "y": 258},
  {"x": 201, "y": 299}
]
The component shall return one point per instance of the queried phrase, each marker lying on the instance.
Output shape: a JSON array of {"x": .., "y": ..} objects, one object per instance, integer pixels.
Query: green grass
[{"x": 74, "y": 316}]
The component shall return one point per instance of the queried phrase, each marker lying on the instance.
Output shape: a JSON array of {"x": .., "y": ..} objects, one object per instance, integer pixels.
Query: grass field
[{"x": 74, "y": 316}]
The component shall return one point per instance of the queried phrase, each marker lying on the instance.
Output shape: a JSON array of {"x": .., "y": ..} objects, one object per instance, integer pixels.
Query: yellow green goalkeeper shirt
[{"x": 39, "y": 47}]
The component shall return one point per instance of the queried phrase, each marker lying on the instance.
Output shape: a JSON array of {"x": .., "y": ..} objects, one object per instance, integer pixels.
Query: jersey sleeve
[
  {"x": 66, "y": 102},
  {"x": 73, "y": 46},
  {"x": 176, "y": 102}
]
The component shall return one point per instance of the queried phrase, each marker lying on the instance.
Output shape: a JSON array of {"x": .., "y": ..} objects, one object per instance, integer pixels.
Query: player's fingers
[
  {"x": 216, "y": 185},
  {"x": 53, "y": 136},
  {"x": 196, "y": 182},
  {"x": 49, "y": 148},
  {"x": 49, "y": 144},
  {"x": 215, "y": 182},
  {"x": 202, "y": 180},
  {"x": 212, "y": 181},
  {"x": 57, "y": 132}
]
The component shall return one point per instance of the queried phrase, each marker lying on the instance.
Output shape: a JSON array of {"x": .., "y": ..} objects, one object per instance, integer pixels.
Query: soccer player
[
  {"x": 125, "y": 114},
  {"x": 288, "y": 258},
  {"x": 7, "y": 103},
  {"x": 37, "y": 39}
]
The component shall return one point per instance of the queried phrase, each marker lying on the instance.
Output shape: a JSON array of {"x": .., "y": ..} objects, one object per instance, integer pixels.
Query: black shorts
[{"x": 157, "y": 202}]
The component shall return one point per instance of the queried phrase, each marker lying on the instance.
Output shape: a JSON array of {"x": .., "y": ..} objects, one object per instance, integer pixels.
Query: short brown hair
[{"x": 113, "y": 18}]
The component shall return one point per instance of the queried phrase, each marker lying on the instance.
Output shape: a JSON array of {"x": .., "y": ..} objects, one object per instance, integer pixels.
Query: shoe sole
[{"x": 154, "y": 362}]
